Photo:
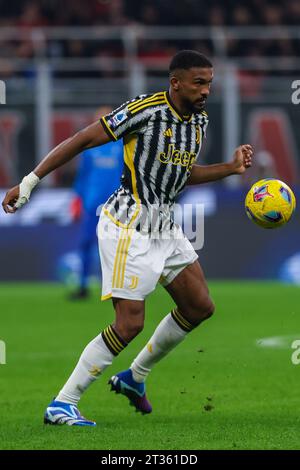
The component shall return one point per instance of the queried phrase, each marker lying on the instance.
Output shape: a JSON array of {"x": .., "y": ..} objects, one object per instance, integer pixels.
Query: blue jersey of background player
[{"x": 98, "y": 175}]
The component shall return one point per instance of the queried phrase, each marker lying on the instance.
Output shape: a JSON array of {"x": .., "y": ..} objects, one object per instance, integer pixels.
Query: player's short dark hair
[{"x": 187, "y": 59}]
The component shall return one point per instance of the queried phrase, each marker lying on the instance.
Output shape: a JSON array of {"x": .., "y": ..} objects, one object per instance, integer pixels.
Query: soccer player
[
  {"x": 98, "y": 175},
  {"x": 162, "y": 135}
]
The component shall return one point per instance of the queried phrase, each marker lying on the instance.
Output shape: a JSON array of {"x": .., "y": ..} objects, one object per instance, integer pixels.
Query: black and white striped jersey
[{"x": 160, "y": 147}]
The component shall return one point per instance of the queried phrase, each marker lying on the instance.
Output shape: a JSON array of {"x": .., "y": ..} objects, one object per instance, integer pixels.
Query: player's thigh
[
  {"x": 130, "y": 315},
  {"x": 190, "y": 292}
]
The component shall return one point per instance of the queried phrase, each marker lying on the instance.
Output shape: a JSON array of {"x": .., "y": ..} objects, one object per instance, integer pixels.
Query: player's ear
[{"x": 174, "y": 82}]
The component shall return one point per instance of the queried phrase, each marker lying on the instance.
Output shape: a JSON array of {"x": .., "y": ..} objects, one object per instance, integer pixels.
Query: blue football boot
[
  {"x": 124, "y": 383},
  {"x": 59, "y": 412}
]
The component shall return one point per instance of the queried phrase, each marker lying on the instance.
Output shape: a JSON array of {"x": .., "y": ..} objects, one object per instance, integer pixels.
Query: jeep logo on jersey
[{"x": 176, "y": 157}]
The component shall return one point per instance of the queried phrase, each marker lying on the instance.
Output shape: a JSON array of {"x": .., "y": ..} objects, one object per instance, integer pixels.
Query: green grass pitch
[{"x": 221, "y": 388}]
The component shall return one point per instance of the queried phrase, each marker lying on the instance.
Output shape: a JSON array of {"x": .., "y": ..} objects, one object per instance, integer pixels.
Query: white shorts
[{"x": 133, "y": 263}]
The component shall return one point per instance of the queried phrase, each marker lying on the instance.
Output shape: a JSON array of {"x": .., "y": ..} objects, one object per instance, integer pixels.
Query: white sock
[
  {"x": 96, "y": 357},
  {"x": 170, "y": 332}
]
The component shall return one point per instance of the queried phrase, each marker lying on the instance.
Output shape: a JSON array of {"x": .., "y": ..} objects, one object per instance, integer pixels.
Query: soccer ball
[{"x": 270, "y": 203}]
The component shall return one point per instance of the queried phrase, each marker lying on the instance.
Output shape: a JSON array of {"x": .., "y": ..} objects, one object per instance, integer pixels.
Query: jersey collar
[{"x": 175, "y": 111}]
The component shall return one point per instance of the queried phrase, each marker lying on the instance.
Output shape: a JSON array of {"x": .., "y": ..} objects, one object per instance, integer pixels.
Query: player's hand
[
  {"x": 19, "y": 195},
  {"x": 10, "y": 200},
  {"x": 76, "y": 208},
  {"x": 242, "y": 159}
]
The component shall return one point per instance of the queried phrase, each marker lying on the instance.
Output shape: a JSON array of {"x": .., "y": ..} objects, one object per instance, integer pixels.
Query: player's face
[{"x": 194, "y": 87}]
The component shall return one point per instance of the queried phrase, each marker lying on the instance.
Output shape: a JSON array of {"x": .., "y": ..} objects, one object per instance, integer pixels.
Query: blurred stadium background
[{"x": 60, "y": 62}]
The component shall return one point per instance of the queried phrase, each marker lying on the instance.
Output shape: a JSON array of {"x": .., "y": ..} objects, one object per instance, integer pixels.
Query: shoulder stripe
[
  {"x": 148, "y": 105},
  {"x": 140, "y": 103},
  {"x": 134, "y": 103},
  {"x": 146, "y": 100}
]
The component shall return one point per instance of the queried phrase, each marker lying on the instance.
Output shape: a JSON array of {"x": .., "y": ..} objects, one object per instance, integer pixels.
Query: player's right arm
[
  {"x": 128, "y": 118},
  {"x": 92, "y": 136}
]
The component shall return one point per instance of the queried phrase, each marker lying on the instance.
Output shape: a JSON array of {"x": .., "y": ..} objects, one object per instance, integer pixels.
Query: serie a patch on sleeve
[{"x": 117, "y": 119}]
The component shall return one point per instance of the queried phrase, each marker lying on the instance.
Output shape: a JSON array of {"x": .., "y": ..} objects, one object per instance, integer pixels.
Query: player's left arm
[{"x": 241, "y": 160}]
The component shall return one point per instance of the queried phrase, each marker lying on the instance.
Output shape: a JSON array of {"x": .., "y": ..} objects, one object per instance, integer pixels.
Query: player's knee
[
  {"x": 130, "y": 322},
  {"x": 135, "y": 319},
  {"x": 200, "y": 311},
  {"x": 208, "y": 309},
  {"x": 130, "y": 330},
  {"x": 134, "y": 328}
]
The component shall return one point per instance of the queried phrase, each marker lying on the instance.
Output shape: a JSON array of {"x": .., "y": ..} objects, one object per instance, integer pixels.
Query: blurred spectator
[
  {"x": 31, "y": 13},
  {"x": 292, "y": 12},
  {"x": 241, "y": 16},
  {"x": 27, "y": 14},
  {"x": 31, "y": 16},
  {"x": 216, "y": 16},
  {"x": 272, "y": 15},
  {"x": 150, "y": 15}
]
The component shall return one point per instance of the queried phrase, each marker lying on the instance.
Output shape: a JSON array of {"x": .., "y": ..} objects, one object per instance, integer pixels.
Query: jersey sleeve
[{"x": 126, "y": 119}]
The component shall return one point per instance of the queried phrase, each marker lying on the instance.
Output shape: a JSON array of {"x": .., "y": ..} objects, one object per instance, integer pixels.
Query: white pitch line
[{"x": 277, "y": 342}]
